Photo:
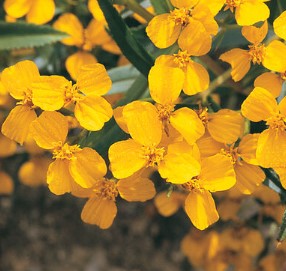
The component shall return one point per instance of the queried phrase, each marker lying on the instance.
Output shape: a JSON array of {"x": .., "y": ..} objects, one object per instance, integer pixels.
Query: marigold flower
[
  {"x": 33, "y": 9},
  {"x": 91, "y": 110},
  {"x": 18, "y": 79},
  {"x": 85, "y": 39},
  {"x": 73, "y": 166},
  {"x": 243, "y": 157},
  {"x": 239, "y": 59},
  {"x": 261, "y": 105},
  {"x": 191, "y": 24},
  {"x": 100, "y": 209}
]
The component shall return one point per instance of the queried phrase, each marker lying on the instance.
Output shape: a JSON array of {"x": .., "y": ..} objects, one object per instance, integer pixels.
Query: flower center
[
  {"x": 232, "y": 153},
  {"x": 192, "y": 184},
  {"x": 256, "y": 53},
  {"x": 182, "y": 58},
  {"x": 65, "y": 151},
  {"x": 277, "y": 122},
  {"x": 231, "y": 4},
  {"x": 203, "y": 115},
  {"x": 164, "y": 113},
  {"x": 153, "y": 155},
  {"x": 105, "y": 189},
  {"x": 72, "y": 93},
  {"x": 181, "y": 16},
  {"x": 27, "y": 99}
]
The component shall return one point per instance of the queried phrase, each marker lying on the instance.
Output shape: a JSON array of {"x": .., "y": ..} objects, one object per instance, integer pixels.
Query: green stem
[{"x": 136, "y": 8}]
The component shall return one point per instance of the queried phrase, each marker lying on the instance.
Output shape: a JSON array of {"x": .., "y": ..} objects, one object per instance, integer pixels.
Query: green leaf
[
  {"x": 163, "y": 6},
  {"x": 23, "y": 35},
  {"x": 124, "y": 38}
]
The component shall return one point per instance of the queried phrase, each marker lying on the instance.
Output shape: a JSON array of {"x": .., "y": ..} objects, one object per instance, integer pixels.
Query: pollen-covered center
[
  {"x": 277, "y": 122},
  {"x": 256, "y": 53},
  {"x": 153, "y": 155},
  {"x": 182, "y": 58},
  {"x": 72, "y": 93},
  {"x": 203, "y": 115},
  {"x": 65, "y": 151},
  {"x": 181, "y": 16},
  {"x": 105, "y": 189},
  {"x": 164, "y": 111},
  {"x": 27, "y": 99},
  {"x": 194, "y": 183},
  {"x": 231, "y": 4},
  {"x": 232, "y": 153}
]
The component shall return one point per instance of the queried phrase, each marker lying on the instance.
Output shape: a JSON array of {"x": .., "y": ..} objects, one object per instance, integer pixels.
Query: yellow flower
[
  {"x": 91, "y": 110},
  {"x": 243, "y": 157},
  {"x": 100, "y": 209},
  {"x": 261, "y": 105},
  {"x": 18, "y": 79},
  {"x": 6, "y": 184},
  {"x": 225, "y": 126},
  {"x": 36, "y": 11},
  {"x": 73, "y": 166},
  {"x": 191, "y": 24},
  {"x": 85, "y": 39},
  {"x": 195, "y": 79},
  {"x": 239, "y": 59}
]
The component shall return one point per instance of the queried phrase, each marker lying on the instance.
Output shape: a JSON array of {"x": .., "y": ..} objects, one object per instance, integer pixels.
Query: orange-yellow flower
[
  {"x": 91, "y": 110},
  {"x": 73, "y": 166},
  {"x": 36, "y": 11},
  {"x": 100, "y": 209},
  {"x": 191, "y": 24},
  {"x": 261, "y": 105},
  {"x": 239, "y": 59},
  {"x": 85, "y": 39},
  {"x": 18, "y": 79}
]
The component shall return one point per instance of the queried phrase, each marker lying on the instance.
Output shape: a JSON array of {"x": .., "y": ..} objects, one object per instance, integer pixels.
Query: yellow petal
[
  {"x": 214, "y": 6},
  {"x": 7, "y": 146},
  {"x": 100, "y": 212},
  {"x": 126, "y": 158},
  {"x": 281, "y": 171},
  {"x": 169, "y": 205},
  {"x": 17, "y": 124},
  {"x": 282, "y": 106},
  {"x": 259, "y": 105},
  {"x": 71, "y": 25},
  {"x": 17, "y": 9},
  {"x": 271, "y": 148},
  {"x": 19, "y": 77},
  {"x": 203, "y": 14},
  {"x": 6, "y": 184},
  {"x": 245, "y": 14},
  {"x": 184, "y": 4},
  {"x": 143, "y": 123},
  {"x": 49, "y": 128},
  {"x": 239, "y": 61},
  {"x": 162, "y": 77},
  {"x": 31, "y": 146},
  {"x": 59, "y": 178},
  {"x": 275, "y": 56},
  {"x": 195, "y": 39},
  {"x": 75, "y": 61},
  {"x": 92, "y": 112},
  {"x": 248, "y": 177},
  {"x": 136, "y": 189},
  {"x": 93, "y": 79},
  {"x": 200, "y": 207},
  {"x": 49, "y": 92},
  {"x": 247, "y": 148},
  {"x": 118, "y": 116},
  {"x": 95, "y": 10},
  {"x": 34, "y": 172},
  {"x": 162, "y": 31},
  {"x": 180, "y": 164},
  {"x": 217, "y": 173},
  {"x": 271, "y": 82},
  {"x": 208, "y": 146},
  {"x": 255, "y": 34},
  {"x": 41, "y": 12},
  {"x": 87, "y": 167},
  {"x": 197, "y": 78},
  {"x": 279, "y": 25},
  {"x": 188, "y": 124},
  {"x": 226, "y": 125}
]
